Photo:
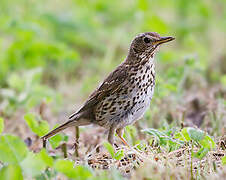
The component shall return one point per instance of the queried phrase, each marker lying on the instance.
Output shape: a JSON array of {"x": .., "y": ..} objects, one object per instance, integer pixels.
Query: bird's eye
[{"x": 147, "y": 40}]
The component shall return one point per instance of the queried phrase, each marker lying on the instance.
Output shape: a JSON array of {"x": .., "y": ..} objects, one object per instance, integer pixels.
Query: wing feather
[{"x": 113, "y": 83}]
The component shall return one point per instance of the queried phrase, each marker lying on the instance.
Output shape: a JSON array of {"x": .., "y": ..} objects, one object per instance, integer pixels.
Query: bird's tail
[{"x": 69, "y": 123}]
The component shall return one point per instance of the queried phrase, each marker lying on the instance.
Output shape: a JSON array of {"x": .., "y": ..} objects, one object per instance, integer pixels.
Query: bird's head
[{"x": 146, "y": 44}]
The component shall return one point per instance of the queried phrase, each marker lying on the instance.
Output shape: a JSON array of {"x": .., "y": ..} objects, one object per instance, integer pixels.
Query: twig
[
  {"x": 182, "y": 120},
  {"x": 76, "y": 140},
  {"x": 42, "y": 109},
  {"x": 64, "y": 149},
  {"x": 44, "y": 143}
]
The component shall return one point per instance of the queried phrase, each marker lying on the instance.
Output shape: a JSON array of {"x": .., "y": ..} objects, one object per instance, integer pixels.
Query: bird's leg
[
  {"x": 111, "y": 134},
  {"x": 120, "y": 133}
]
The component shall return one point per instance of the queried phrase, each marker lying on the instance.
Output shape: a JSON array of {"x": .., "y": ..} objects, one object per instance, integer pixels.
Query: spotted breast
[{"x": 128, "y": 104}]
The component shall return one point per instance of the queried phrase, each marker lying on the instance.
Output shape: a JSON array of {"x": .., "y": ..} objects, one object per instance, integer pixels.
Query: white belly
[
  {"x": 137, "y": 112},
  {"x": 143, "y": 99}
]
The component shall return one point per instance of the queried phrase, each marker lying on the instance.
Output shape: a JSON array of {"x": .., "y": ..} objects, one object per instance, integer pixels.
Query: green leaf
[
  {"x": 110, "y": 149},
  {"x": 31, "y": 121},
  {"x": 162, "y": 137},
  {"x": 11, "y": 172},
  {"x": 67, "y": 168},
  {"x": 1, "y": 125},
  {"x": 199, "y": 136},
  {"x": 202, "y": 138},
  {"x": 38, "y": 127},
  {"x": 82, "y": 172},
  {"x": 201, "y": 153},
  {"x": 207, "y": 142},
  {"x": 119, "y": 154},
  {"x": 195, "y": 134},
  {"x": 223, "y": 160},
  {"x": 43, "y": 128},
  {"x": 12, "y": 149},
  {"x": 185, "y": 134},
  {"x": 56, "y": 140},
  {"x": 179, "y": 135},
  {"x": 45, "y": 157},
  {"x": 33, "y": 165},
  {"x": 154, "y": 132}
]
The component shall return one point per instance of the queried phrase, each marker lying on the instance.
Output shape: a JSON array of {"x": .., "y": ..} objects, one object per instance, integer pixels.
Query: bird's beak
[{"x": 164, "y": 40}]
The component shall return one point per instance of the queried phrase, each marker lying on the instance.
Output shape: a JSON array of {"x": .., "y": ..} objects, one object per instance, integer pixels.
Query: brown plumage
[{"x": 125, "y": 94}]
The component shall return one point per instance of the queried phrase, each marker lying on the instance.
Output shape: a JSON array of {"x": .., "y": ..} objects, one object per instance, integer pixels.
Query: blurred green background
[{"x": 56, "y": 52}]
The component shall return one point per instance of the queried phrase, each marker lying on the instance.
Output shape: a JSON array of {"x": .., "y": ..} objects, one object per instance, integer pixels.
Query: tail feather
[
  {"x": 73, "y": 116},
  {"x": 60, "y": 128},
  {"x": 76, "y": 119}
]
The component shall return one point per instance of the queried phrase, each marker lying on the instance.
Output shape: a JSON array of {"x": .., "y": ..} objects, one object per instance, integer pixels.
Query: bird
[{"x": 125, "y": 95}]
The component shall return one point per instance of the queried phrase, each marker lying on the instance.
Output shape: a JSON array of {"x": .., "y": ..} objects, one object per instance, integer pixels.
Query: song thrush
[{"x": 125, "y": 94}]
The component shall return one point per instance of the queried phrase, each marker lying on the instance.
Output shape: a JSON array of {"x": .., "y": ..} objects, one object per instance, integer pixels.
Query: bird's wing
[{"x": 114, "y": 82}]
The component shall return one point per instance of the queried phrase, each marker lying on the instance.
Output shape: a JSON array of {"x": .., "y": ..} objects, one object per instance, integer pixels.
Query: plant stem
[
  {"x": 44, "y": 143},
  {"x": 76, "y": 140},
  {"x": 64, "y": 149},
  {"x": 191, "y": 160}
]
